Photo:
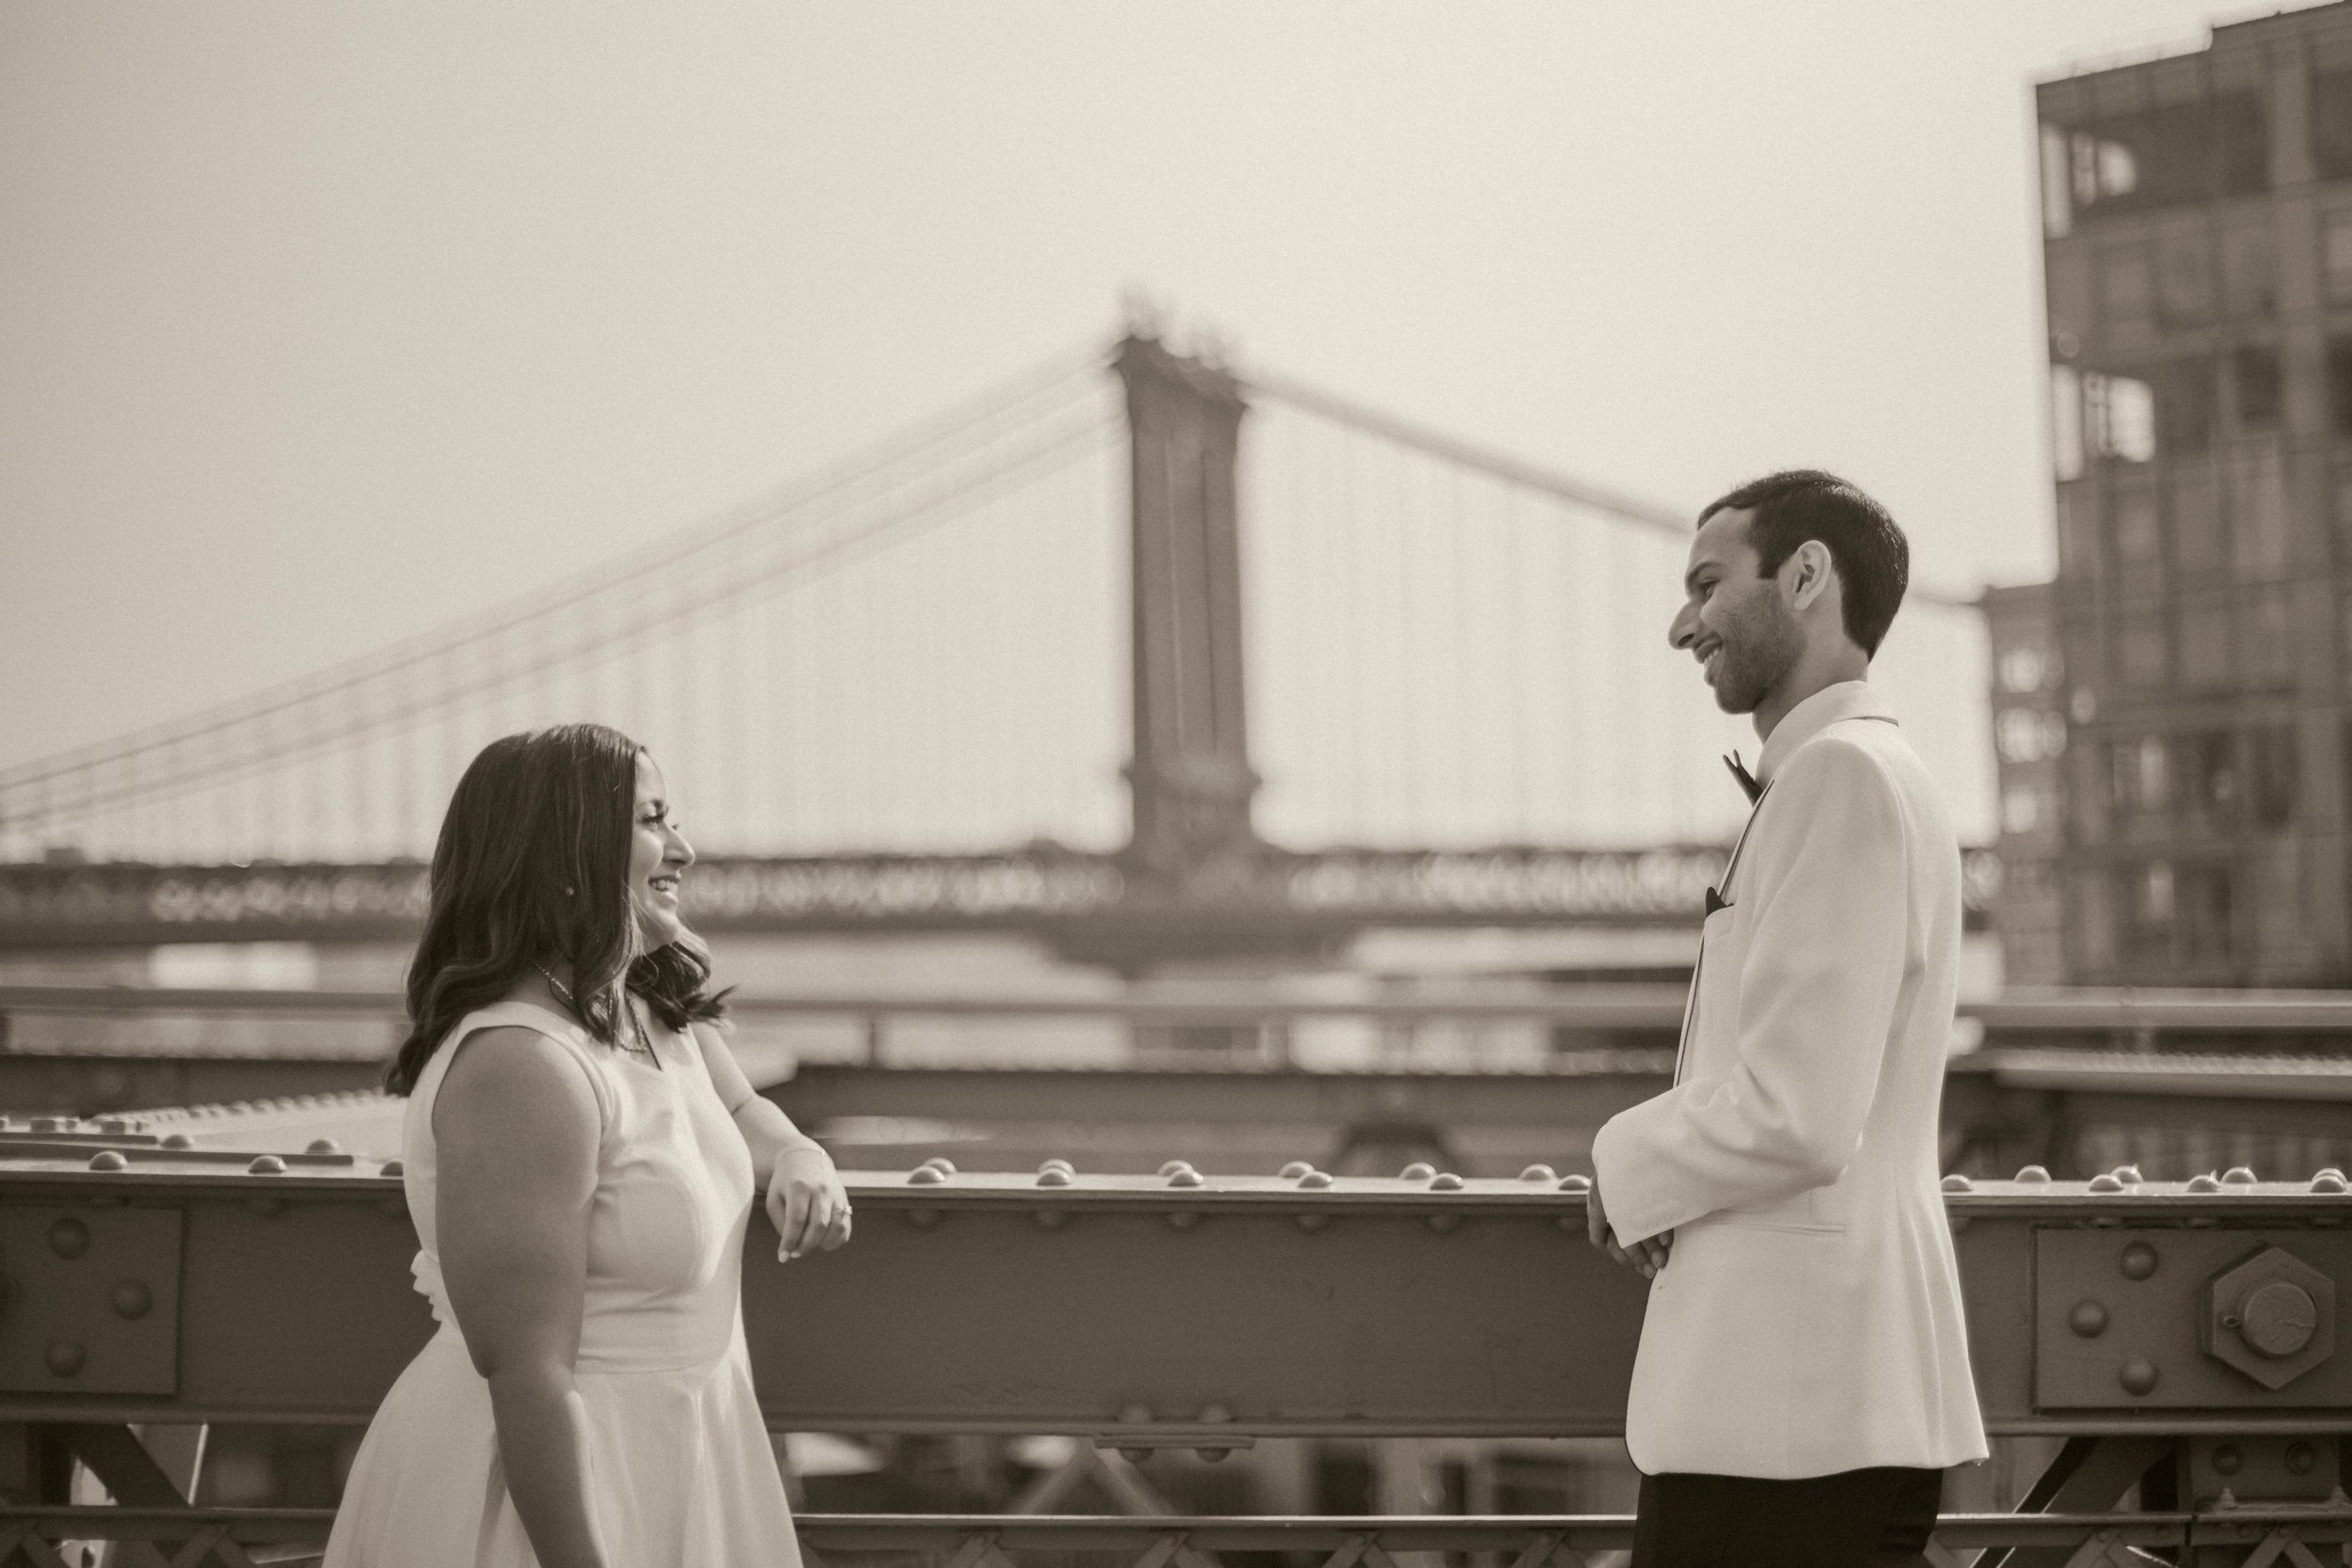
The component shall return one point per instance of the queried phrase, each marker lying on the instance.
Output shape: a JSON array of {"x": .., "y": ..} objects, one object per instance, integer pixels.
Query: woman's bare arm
[
  {"x": 805, "y": 1199},
  {"x": 516, "y": 1128}
]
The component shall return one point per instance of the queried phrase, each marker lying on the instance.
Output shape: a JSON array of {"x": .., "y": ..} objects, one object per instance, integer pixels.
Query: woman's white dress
[{"x": 681, "y": 1474}]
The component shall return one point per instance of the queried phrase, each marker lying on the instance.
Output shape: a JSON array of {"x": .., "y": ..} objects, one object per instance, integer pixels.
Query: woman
[{"x": 580, "y": 1152}]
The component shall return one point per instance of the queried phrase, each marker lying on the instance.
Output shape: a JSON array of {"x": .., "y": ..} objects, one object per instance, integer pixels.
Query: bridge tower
[{"x": 1190, "y": 776}]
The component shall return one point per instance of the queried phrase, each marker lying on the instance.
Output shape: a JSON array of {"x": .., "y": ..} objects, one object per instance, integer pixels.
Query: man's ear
[{"x": 1808, "y": 572}]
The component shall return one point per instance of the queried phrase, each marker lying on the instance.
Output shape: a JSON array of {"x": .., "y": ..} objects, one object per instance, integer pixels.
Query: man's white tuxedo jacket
[{"x": 1808, "y": 1318}]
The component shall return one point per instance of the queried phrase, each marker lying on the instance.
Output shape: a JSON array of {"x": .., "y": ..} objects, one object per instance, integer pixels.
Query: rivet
[
  {"x": 178, "y": 1140},
  {"x": 1057, "y": 1163},
  {"x": 2105, "y": 1183},
  {"x": 1959, "y": 1183},
  {"x": 2208, "y": 1182},
  {"x": 1173, "y": 1166},
  {"x": 922, "y": 1219},
  {"x": 1445, "y": 1181},
  {"x": 1182, "y": 1219},
  {"x": 1049, "y": 1219},
  {"x": 941, "y": 1163},
  {"x": 323, "y": 1146},
  {"x": 2301, "y": 1457},
  {"x": 2137, "y": 1262},
  {"x": 1311, "y": 1223},
  {"x": 1187, "y": 1177},
  {"x": 2238, "y": 1176},
  {"x": 2227, "y": 1459},
  {"x": 390, "y": 1167},
  {"x": 2138, "y": 1376},
  {"x": 1574, "y": 1183},
  {"x": 131, "y": 1298},
  {"x": 68, "y": 1238},
  {"x": 927, "y": 1176},
  {"x": 108, "y": 1159},
  {"x": 1049, "y": 1176},
  {"x": 2033, "y": 1173},
  {"x": 1539, "y": 1173},
  {"x": 1315, "y": 1180},
  {"x": 1417, "y": 1171},
  {"x": 66, "y": 1357},
  {"x": 1295, "y": 1169},
  {"x": 2128, "y": 1175},
  {"x": 2089, "y": 1319},
  {"x": 266, "y": 1165},
  {"x": 2329, "y": 1181}
]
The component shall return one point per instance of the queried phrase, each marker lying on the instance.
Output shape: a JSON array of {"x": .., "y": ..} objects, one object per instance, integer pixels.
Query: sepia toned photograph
[{"x": 1504, "y": 784}]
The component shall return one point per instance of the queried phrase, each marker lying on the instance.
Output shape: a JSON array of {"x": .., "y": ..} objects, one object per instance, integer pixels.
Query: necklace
[{"x": 640, "y": 1046}]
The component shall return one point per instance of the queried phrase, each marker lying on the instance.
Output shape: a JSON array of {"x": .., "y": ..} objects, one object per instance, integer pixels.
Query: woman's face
[{"x": 658, "y": 853}]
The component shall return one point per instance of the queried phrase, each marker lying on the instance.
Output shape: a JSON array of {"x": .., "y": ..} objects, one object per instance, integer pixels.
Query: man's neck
[{"x": 1815, "y": 672}]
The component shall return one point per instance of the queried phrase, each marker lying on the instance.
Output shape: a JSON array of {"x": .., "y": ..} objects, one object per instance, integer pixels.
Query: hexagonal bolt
[{"x": 2271, "y": 1316}]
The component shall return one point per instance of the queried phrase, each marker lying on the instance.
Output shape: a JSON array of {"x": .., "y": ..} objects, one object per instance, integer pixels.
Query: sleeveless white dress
[{"x": 681, "y": 1474}]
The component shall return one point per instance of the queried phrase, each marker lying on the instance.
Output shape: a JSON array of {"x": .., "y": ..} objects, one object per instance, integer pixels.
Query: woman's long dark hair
[{"x": 532, "y": 868}]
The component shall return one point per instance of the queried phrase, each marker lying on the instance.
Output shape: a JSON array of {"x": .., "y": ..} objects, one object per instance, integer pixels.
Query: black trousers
[{"x": 1874, "y": 1518}]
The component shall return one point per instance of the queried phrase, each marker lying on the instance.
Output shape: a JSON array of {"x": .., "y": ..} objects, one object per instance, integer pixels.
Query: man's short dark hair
[{"x": 1872, "y": 557}]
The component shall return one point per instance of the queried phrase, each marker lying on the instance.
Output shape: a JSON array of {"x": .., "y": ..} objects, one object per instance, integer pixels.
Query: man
[{"x": 1802, "y": 1379}]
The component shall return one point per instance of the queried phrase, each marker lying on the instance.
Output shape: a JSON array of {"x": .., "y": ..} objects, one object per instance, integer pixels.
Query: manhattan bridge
[{"x": 1135, "y": 642}]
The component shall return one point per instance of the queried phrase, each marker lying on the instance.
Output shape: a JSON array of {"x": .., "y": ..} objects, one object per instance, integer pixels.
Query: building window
[
  {"x": 2199, "y": 541},
  {"x": 2167, "y": 155},
  {"x": 2137, "y": 542},
  {"x": 2258, "y": 511},
  {"x": 2250, "y": 272},
  {"x": 2028, "y": 669},
  {"x": 2066, "y": 424},
  {"x": 2024, "y": 735},
  {"x": 2205, "y": 661},
  {"x": 2269, "y": 653},
  {"x": 2204, "y": 913},
  {"x": 2146, "y": 900},
  {"x": 2020, "y": 809},
  {"x": 2185, "y": 277},
  {"x": 2331, "y": 124},
  {"x": 2140, "y": 651},
  {"x": 2138, "y": 779},
  {"x": 2276, "y": 759},
  {"x": 2210, "y": 769},
  {"x": 2184, "y": 406},
  {"x": 2126, "y": 291},
  {"x": 2120, "y": 418},
  {"x": 2254, "y": 374}
]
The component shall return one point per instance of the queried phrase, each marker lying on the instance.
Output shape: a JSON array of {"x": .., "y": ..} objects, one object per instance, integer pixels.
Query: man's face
[{"x": 1733, "y": 620}]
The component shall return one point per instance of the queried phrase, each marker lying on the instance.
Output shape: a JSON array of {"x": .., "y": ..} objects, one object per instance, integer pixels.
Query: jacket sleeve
[{"x": 1817, "y": 999}]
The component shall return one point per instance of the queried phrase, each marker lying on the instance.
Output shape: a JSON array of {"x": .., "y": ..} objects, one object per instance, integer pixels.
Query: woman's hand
[{"x": 806, "y": 1202}]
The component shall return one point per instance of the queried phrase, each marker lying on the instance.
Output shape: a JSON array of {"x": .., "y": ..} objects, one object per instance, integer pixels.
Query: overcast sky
[{"x": 321, "y": 325}]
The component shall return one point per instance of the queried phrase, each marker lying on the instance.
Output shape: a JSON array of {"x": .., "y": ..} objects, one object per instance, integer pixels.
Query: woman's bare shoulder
[{"x": 511, "y": 1077}]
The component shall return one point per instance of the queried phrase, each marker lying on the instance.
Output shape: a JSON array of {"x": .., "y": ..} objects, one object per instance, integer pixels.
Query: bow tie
[{"x": 1747, "y": 779}]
